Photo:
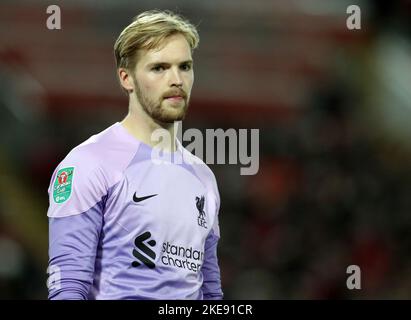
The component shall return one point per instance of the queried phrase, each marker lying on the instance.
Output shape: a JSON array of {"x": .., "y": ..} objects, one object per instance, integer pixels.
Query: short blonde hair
[{"x": 147, "y": 31}]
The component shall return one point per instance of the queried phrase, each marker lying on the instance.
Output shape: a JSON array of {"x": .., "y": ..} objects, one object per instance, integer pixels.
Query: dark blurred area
[{"x": 333, "y": 107}]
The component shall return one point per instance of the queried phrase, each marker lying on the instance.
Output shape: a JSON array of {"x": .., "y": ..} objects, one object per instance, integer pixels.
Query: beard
[{"x": 161, "y": 110}]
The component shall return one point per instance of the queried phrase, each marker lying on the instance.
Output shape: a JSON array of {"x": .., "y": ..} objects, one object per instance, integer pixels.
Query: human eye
[
  {"x": 185, "y": 67},
  {"x": 158, "y": 68}
]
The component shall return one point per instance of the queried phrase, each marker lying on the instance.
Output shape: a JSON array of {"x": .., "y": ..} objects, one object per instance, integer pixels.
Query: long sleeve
[
  {"x": 211, "y": 272},
  {"x": 72, "y": 252},
  {"x": 211, "y": 286},
  {"x": 76, "y": 196}
]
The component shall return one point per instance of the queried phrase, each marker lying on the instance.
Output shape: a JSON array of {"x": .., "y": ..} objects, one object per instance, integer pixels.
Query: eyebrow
[{"x": 159, "y": 63}]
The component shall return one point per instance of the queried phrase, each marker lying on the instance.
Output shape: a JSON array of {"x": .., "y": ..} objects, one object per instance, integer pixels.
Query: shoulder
[
  {"x": 83, "y": 178},
  {"x": 106, "y": 153}
]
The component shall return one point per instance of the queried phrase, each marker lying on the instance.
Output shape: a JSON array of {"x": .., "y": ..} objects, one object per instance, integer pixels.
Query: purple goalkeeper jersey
[{"x": 128, "y": 223}]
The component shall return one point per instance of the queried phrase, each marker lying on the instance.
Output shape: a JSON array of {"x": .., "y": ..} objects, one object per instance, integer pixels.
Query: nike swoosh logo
[{"x": 138, "y": 199}]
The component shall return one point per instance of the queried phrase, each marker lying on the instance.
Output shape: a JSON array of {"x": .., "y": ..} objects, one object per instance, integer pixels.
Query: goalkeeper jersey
[{"x": 126, "y": 222}]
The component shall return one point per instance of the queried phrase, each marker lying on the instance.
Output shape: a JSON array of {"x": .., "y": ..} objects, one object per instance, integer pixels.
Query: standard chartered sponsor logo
[{"x": 182, "y": 257}]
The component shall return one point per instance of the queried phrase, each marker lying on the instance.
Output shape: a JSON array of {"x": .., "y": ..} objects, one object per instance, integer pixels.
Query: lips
[
  {"x": 177, "y": 100},
  {"x": 174, "y": 97}
]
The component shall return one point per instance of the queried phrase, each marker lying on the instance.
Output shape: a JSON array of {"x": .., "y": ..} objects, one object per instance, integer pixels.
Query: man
[{"x": 123, "y": 226}]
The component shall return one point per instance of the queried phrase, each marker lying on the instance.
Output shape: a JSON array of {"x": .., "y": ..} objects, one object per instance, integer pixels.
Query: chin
[
  {"x": 174, "y": 114},
  {"x": 170, "y": 113},
  {"x": 175, "y": 118},
  {"x": 169, "y": 117}
]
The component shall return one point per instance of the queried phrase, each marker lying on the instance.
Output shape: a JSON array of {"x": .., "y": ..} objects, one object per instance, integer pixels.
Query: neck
[{"x": 140, "y": 125}]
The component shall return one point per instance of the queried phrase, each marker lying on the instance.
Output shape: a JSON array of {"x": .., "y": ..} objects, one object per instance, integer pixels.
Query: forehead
[{"x": 173, "y": 49}]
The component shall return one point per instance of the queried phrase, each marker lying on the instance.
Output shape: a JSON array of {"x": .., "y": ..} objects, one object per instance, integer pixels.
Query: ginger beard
[{"x": 162, "y": 109}]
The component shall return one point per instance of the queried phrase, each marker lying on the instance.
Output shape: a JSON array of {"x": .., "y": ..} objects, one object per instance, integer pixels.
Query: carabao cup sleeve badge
[{"x": 63, "y": 185}]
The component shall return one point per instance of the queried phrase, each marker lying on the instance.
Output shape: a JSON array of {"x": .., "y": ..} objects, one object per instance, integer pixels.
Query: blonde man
[{"x": 122, "y": 225}]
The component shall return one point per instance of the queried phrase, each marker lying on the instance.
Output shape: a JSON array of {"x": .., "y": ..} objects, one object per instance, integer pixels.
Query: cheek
[
  {"x": 145, "y": 83},
  {"x": 190, "y": 80},
  {"x": 149, "y": 88}
]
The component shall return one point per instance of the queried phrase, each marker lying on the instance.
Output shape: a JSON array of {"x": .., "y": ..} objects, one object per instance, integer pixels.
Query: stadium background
[{"x": 333, "y": 107}]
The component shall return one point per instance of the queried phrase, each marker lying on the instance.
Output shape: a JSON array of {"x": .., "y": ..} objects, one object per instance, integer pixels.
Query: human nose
[{"x": 176, "y": 78}]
